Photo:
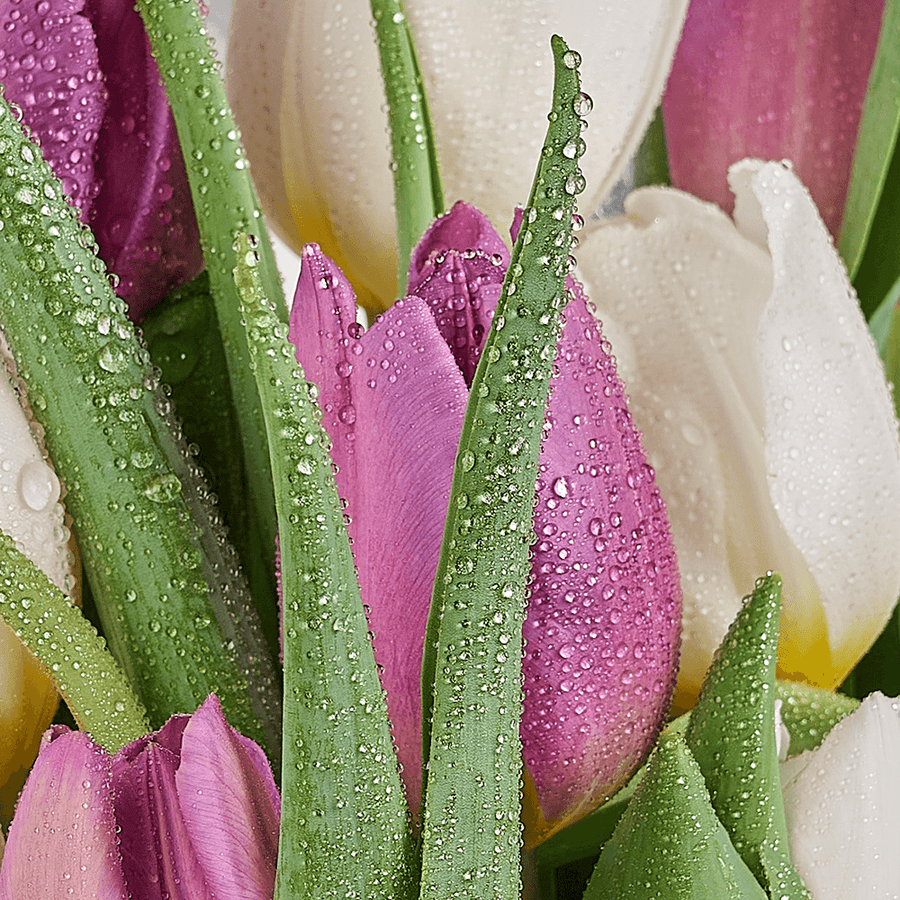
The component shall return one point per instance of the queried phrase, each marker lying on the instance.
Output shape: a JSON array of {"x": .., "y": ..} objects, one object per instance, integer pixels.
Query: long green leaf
[
  {"x": 226, "y": 206},
  {"x": 74, "y": 655},
  {"x": 418, "y": 195},
  {"x": 344, "y": 818},
  {"x": 176, "y": 618},
  {"x": 471, "y": 720},
  {"x": 878, "y": 130}
]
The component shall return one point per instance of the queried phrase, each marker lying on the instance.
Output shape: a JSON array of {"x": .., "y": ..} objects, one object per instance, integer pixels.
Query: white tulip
[
  {"x": 764, "y": 410},
  {"x": 842, "y": 804},
  {"x": 304, "y": 81}
]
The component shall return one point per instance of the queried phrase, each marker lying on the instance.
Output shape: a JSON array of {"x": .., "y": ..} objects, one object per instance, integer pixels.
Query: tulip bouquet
[{"x": 449, "y": 605}]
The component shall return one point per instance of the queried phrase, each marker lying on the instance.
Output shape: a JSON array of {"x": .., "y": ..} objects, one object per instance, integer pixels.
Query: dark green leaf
[
  {"x": 809, "y": 713},
  {"x": 185, "y": 344},
  {"x": 878, "y": 130}
]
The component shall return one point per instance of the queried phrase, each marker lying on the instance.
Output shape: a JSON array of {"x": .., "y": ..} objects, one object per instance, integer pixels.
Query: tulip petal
[
  {"x": 832, "y": 451},
  {"x": 842, "y": 803},
  {"x": 158, "y": 857},
  {"x": 230, "y": 805},
  {"x": 143, "y": 217},
  {"x": 458, "y": 269},
  {"x": 49, "y": 66},
  {"x": 332, "y": 130},
  {"x": 770, "y": 80},
  {"x": 63, "y": 840},
  {"x": 604, "y": 616},
  {"x": 31, "y": 514},
  {"x": 393, "y": 400}
]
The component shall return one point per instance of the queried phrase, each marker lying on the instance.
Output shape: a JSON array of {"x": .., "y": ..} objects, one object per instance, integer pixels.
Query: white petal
[
  {"x": 842, "y": 803},
  {"x": 488, "y": 73},
  {"x": 680, "y": 294},
  {"x": 831, "y": 437},
  {"x": 30, "y": 511}
]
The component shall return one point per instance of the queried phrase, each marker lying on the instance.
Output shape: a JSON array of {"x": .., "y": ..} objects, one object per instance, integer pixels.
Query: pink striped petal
[
  {"x": 62, "y": 842},
  {"x": 771, "y": 80},
  {"x": 458, "y": 269},
  {"x": 230, "y": 805},
  {"x": 157, "y": 854},
  {"x": 604, "y": 618},
  {"x": 49, "y": 66},
  {"x": 393, "y": 400},
  {"x": 143, "y": 216}
]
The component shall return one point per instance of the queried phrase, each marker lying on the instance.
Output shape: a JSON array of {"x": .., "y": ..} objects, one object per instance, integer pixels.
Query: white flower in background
[{"x": 304, "y": 81}]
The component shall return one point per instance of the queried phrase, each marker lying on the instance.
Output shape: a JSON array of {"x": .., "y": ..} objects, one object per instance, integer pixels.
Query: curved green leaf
[
  {"x": 177, "y": 617},
  {"x": 226, "y": 206},
  {"x": 418, "y": 195},
  {"x": 74, "y": 655}
]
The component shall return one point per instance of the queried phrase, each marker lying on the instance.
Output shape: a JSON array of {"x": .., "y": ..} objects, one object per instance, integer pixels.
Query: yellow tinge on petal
[{"x": 30, "y": 513}]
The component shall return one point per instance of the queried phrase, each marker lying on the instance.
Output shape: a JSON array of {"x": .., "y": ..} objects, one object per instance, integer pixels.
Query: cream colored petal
[
  {"x": 257, "y": 41},
  {"x": 832, "y": 451},
  {"x": 842, "y": 804},
  {"x": 30, "y": 513},
  {"x": 680, "y": 293},
  {"x": 488, "y": 73}
]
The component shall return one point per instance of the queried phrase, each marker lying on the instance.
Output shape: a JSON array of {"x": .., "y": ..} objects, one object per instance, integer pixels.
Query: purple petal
[
  {"x": 393, "y": 400},
  {"x": 143, "y": 217},
  {"x": 230, "y": 805},
  {"x": 603, "y": 624},
  {"x": 49, "y": 66},
  {"x": 157, "y": 855},
  {"x": 458, "y": 269},
  {"x": 62, "y": 841},
  {"x": 757, "y": 78}
]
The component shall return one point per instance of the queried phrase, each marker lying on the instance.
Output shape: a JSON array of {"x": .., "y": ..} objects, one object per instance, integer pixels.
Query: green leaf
[
  {"x": 344, "y": 817},
  {"x": 732, "y": 736},
  {"x": 178, "y": 621},
  {"x": 185, "y": 344},
  {"x": 472, "y": 665},
  {"x": 651, "y": 162},
  {"x": 226, "y": 206},
  {"x": 74, "y": 655},
  {"x": 878, "y": 131},
  {"x": 879, "y": 669},
  {"x": 669, "y": 843},
  {"x": 809, "y": 713},
  {"x": 418, "y": 195}
]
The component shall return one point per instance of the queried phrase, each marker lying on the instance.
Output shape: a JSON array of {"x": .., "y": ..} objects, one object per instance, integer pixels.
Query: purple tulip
[
  {"x": 773, "y": 80},
  {"x": 604, "y": 617},
  {"x": 82, "y": 73},
  {"x": 190, "y": 811}
]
